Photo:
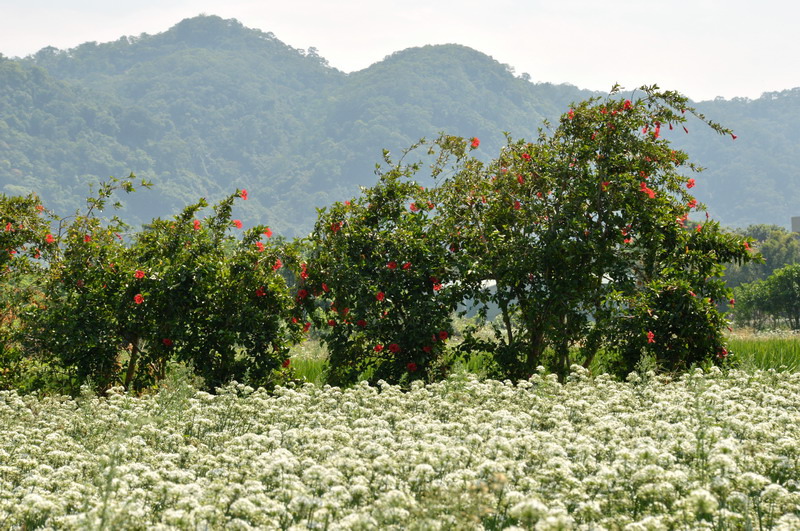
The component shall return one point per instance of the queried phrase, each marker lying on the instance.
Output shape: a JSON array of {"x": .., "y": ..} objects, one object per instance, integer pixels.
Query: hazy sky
[{"x": 703, "y": 48}]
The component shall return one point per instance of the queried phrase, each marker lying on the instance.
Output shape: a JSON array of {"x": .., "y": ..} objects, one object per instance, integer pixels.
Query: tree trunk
[
  {"x": 132, "y": 363},
  {"x": 535, "y": 350}
]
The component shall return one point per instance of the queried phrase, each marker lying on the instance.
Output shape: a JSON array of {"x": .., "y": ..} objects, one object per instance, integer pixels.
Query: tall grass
[
  {"x": 309, "y": 361},
  {"x": 781, "y": 353}
]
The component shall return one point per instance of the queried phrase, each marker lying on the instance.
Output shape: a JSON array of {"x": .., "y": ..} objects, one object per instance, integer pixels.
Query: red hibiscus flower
[
  {"x": 237, "y": 223},
  {"x": 517, "y": 205},
  {"x": 520, "y": 179},
  {"x": 690, "y": 183},
  {"x": 414, "y": 207},
  {"x": 412, "y": 367},
  {"x": 604, "y": 185},
  {"x": 167, "y": 342},
  {"x": 427, "y": 349},
  {"x": 394, "y": 348},
  {"x": 302, "y": 293},
  {"x": 407, "y": 265},
  {"x": 260, "y": 292},
  {"x": 286, "y": 363},
  {"x": 336, "y": 227},
  {"x": 306, "y": 327},
  {"x": 87, "y": 238},
  {"x": 260, "y": 247},
  {"x": 139, "y": 274},
  {"x": 325, "y": 288},
  {"x": 268, "y": 233},
  {"x": 526, "y": 156},
  {"x": 49, "y": 238},
  {"x": 571, "y": 114},
  {"x": 380, "y": 296},
  {"x": 278, "y": 264},
  {"x": 378, "y": 347},
  {"x": 362, "y": 323},
  {"x": 651, "y": 337},
  {"x": 475, "y": 143},
  {"x": 196, "y": 224},
  {"x": 392, "y": 265},
  {"x": 243, "y": 194},
  {"x": 443, "y": 335},
  {"x": 138, "y": 299},
  {"x": 692, "y": 203},
  {"x": 331, "y": 322},
  {"x": 627, "y": 105}
]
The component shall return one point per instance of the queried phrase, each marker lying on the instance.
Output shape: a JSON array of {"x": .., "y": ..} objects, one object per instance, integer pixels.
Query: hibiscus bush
[
  {"x": 587, "y": 228},
  {"x": 116, "y": 309},
  {"x": 25, "y": 242},
  {"x": 581, "y": 239},
  {"x": 379, "y": 282}
]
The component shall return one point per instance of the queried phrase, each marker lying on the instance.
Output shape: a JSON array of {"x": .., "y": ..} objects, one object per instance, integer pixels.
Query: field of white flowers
[{"x": 706, "y": 451}]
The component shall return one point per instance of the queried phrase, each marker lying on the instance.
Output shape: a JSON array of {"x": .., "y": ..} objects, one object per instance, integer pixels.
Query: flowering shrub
[
  {"x": 25, "y": 242},
  {"x": 706, "y": 451},
  {"x": 580, "y": 237},
  {"x": 117, "y": 310},
  {"x": 378, "y": 271}
]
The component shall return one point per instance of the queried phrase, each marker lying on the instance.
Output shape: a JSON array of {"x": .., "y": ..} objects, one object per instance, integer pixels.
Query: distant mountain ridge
[{"x": 210, "y": 105}]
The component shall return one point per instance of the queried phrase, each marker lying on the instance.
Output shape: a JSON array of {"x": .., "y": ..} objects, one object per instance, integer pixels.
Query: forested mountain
[{"x": 209, "y": 106}]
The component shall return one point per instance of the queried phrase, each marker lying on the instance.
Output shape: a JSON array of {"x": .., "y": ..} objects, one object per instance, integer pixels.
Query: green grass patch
[{"x": 767, "y": 352}]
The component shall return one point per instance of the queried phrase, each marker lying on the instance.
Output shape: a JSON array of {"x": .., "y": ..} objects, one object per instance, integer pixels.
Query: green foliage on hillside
[{"x": 211, "y": 105}]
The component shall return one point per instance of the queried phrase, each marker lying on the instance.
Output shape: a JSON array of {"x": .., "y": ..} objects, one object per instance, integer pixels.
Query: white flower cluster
[{"x": 707, "y": 451}]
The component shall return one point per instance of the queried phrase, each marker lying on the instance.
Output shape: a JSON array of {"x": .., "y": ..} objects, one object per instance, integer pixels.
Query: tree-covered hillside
[{"x": 210, "y": 106}]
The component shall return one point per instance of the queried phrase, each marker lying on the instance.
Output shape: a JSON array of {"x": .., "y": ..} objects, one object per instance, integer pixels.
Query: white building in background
[{"x": 796, "y": 224}]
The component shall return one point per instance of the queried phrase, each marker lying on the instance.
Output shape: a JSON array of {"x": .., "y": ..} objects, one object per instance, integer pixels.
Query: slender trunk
[
  {"x": 590, "y": 349},
  {"x": 503, "y": 303},
  {"x": 132, "y": 363},
  {"x": 535, "y": 350},
  {"x": 563, "y": 359}
]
